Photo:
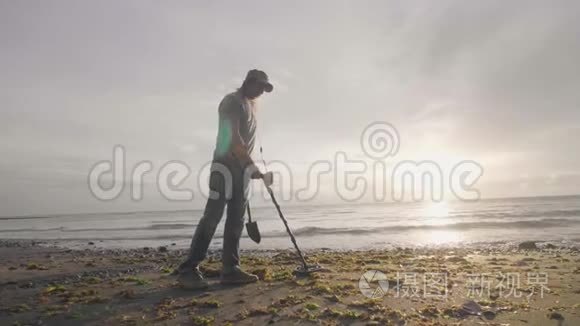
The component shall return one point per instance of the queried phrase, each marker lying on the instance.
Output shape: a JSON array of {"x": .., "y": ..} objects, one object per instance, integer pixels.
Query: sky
[{"x": 493, "y": 82}]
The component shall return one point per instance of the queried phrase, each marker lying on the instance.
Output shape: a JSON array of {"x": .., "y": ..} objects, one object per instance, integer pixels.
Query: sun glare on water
[{"x": 437, "y": 214}]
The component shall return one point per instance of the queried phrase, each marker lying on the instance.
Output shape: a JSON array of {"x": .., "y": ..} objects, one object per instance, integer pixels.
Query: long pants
[{"x": 227, "y": 187}]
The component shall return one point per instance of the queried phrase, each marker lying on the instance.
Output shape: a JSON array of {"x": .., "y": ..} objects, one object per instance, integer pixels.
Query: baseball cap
[{"x": 260, "y": 76}]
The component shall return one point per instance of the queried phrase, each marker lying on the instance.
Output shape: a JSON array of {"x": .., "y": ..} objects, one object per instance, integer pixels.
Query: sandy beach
[{"x": 524, "y": 285}]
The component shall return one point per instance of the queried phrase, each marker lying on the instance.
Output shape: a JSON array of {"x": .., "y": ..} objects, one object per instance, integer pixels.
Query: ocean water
[{"x": 345, "y": 226}]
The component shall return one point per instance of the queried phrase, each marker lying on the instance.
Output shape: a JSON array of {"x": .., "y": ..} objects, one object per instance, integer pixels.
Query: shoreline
[
  {"x": 60, "y": 286},
  {"x": 99, "y": 245}
]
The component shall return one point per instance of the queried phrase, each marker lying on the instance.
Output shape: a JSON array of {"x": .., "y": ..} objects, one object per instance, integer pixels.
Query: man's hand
[{"x": 268, "y": 178}]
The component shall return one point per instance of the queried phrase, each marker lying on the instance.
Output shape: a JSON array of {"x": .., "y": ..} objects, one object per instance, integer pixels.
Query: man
[{"x": 231, "y": 171}]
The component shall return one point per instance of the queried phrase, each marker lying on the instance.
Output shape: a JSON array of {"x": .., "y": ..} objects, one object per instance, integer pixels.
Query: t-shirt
[{"x": 235, "y": 107}]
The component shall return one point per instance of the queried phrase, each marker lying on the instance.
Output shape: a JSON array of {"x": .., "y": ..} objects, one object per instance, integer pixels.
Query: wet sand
[{"x": 42, "y": 285}]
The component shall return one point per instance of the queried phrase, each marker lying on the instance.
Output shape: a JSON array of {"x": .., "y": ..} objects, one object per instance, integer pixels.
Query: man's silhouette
[{"x": 231, "y": 170}]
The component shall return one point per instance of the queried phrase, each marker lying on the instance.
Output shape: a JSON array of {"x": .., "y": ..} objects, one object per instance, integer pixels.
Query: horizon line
[{"x": 2, "y": 217}]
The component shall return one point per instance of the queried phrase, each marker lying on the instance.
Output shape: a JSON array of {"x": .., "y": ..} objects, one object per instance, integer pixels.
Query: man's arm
[
  {"x": 237, "y": 145},
  {"x": 240, "y": 151}
]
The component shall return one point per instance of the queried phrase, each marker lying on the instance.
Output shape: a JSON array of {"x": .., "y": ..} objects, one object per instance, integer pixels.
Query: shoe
[
  {"x": 238, "y": 276},
  {"x": 192, "y": 280}
]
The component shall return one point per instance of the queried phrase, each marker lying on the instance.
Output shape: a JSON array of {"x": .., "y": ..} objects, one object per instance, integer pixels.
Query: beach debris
[
  {"x": 127, "y": 294},
  {"x": 470, "y": 308},
  {"x": 26, "y": 285},
  {"x": 429, "y": 311},
  {"x": 456, "y": 259},
  {"x": 261, "y": 311},
  {"x": 347, "y": 314},
  {"x": 168, "y": 270},
  {"x": 92, "y": 280},
  {"x": 135, "y": 279},
  {"x": 330, "y": 312},
  {"x": 550, "y": 246},
  {"x": 54, "y": 289},
  {"x": 322, "y": 289},
  {"x": 333, "y": 298},
  {"x": 35, "y": 266},
  {"x": 528, "y": 245},
  {"x": 370, "y": 304},
  {"x": 520, "y": 263},
  {"x": 212, "y": 303},
  {"x": 16, "y": 309},
  {"x": 163, "y": 310},
  {"x": 311, "y": 306},
  {"x": 162, "y": 249},
  {"x": 53, "y": 310},
  {"x": 488, "y": 314},
  {"x": 264, "y": 274},
  {"x": 555, "y": 316},
  {"x": 287, "y": 301},
  {"x": 243, "y": 314},
  {"x": 202, "y": 320},
  {"x": 282, "y": 275}
]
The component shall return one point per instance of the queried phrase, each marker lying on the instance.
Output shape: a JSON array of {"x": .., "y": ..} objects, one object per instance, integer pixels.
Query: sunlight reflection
[
  {"x": 437, "y": 210},
  {"x": 436, "y": 214}
]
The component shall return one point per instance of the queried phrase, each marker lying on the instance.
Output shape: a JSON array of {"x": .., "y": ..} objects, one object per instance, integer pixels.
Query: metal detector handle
[{"x": 287, "y": 227}]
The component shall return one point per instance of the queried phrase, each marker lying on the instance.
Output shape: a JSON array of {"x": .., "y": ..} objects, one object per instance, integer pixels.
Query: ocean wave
[
  {"x": 30, "y": 230},
  {"x": 318, "y": 230},
  {"x": 516, "y": 214},
  {"x": 543, "y": 223},
  {"x": 311, "y": 231},
  {"x": 168, "y": 226}
]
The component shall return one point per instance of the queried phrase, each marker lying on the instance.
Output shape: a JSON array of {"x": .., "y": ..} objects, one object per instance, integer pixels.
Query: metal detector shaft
[{"x": 287, "y": 227}]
